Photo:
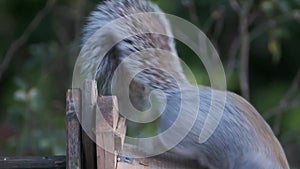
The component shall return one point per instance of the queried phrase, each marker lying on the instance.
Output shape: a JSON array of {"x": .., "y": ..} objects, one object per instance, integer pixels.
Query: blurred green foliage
[{"x": 32, "y": 89}]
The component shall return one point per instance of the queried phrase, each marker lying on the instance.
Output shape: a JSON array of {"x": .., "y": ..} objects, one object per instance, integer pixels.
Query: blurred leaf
[
  {"x": 20, "y": 95},
  {"x": 268, "y": 96},
  {"x": 283, "y": 6},
  {"x": 297, "y": 2},
  {"x": 268, "y": 7},
  {"x": 290, "y": 123},
  {"x": 280, "y": 33},
  {"x": 233, "y": 83},
  {"x": 275, "y": 49}
]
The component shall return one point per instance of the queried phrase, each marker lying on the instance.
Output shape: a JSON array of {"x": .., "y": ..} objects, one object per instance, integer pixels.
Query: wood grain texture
[
  {"x": 106, "y": 154},
  {"x": 163, "y": 161},
  {"x": 89, "y": 101},
  {"x": 33, "y": 162},
  {"x": 107, "y": 112},
  {"x": 74, "y": 149},
  {"x": 120, "y": 134},
  {"x": 106, "y": 124}
]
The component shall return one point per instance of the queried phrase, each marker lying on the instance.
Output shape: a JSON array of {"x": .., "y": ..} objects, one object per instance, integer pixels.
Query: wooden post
[
  {"x": 99, "y": 119},
  {"x": 106, "y": 124},
  {"x": 89, "y": 100},
  {"x": 73, "y": 101},
  {"x": 120, "y": 134}
]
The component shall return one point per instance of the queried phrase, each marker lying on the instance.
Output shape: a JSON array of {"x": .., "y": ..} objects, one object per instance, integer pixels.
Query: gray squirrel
[{"x": 242, "y": 139}]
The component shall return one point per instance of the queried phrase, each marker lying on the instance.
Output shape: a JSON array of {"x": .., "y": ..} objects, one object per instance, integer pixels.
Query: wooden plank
[
  {"x": 106, "y": 124},
  {"x": 74, "y": 154},
  {"x": 89, "y": 151},
  {"x": 163, "y": 161},
  {"x": 107, "y": 112},
  {"x": 89, "y": 100},
  {"x": 106, "y": 155},
  {"x": 41, "y": 162},
  {"x": 120, "y": 134}
]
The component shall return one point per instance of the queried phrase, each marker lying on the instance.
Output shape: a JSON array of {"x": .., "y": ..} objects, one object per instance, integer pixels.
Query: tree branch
[
  {"x": 245, "y": 46},
  {"x": 286, "y": 103},
  {"x": 232, "y": 53},
  {"x": 25, "y": 36},
  {"x": 190, "y": 4},
  {"x": 235, "y": 5},
  {"x": 272, "y": 23}
]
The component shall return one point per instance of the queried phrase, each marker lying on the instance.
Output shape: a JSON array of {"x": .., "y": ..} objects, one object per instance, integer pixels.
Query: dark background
[{"x": 40, "y": 41}]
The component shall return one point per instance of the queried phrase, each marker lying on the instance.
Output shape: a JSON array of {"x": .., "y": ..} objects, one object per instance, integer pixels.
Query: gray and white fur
[{"x": 242, "y": 140}]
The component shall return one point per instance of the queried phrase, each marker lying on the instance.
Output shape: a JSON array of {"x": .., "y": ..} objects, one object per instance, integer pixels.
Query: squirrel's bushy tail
[
  {"x": 131, "y": 26},
  {"x": 113, "y": 9}
]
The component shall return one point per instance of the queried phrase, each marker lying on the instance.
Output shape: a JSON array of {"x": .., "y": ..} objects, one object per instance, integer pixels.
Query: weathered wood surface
[
  {"x": 89, "y": 101},
  {"x": 106, "y": 155},
  {"x": 107, "y": 112},
  {"x": 120, "y": 134},
  {"x": 74, "y": 149},
  {"x": 107, "y": 116},
  {"x": 163, "y": 161},
  {"x": 157, "y": 163},
  {"x": 41, "y": 162}
]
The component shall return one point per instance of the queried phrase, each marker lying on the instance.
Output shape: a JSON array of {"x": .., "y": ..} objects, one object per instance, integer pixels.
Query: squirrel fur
[{"x": 242, "y": 140}]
